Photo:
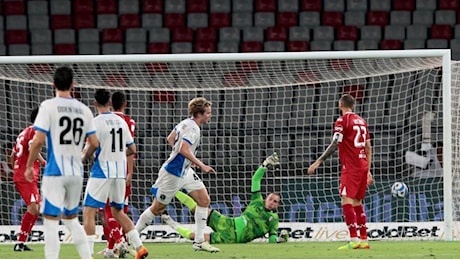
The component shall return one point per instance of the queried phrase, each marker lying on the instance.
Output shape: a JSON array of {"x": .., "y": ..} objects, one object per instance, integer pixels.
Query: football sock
[
  {"x": 52, "y": 243},
  {"x": 186, "y": 200},
  {"x": 28, "y": 221},
  {"x": 78, "y": 236},
  {"x": 134, "y": 239},
  {"x": 91, "y": 239},
  {"x": 115, "y": 232},
  {"x": 185, "y": 232},
  {"x": 361, "y": 222},
  {"x": 350, "y": 220},
  {"x": 144, "y": 220},
  {"x": 201, "y": 216}
]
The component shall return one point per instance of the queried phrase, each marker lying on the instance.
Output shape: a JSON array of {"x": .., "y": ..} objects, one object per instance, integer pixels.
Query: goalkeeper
[{"x": 257, "y": 220}]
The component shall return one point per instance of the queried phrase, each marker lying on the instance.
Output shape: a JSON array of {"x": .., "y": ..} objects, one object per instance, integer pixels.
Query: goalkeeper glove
[{"x": 283, "y": 237}]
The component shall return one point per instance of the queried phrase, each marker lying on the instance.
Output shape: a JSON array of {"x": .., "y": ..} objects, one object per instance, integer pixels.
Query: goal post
[{"x": 273, "y": 102}]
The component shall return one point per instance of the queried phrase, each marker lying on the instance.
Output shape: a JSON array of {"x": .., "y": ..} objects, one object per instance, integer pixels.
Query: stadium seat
[
  {"x": 379, "y": 18},
  {"x": 89, "y": 48},
  {"x": 135, "y": 47},
  {"x": 390, "y": 45},
  {"x": 277, "y": 33},
  {"x": 16, "y": 22},
  {"x": 320, "y": 45},
  {"x": 159, "y": 35},
  {"x": 127, "y": 21},
  {"x": 182, "y": 35},
  {"x": 347, "y": 33},
  {"x": 16, "y": 37},
  {"x": 299, "y": 33},
  {"x": 152, "y": 6},
  {"x": 334, "y": 19},
  {"x": 264, "y": 19},
  {"x": 406, "y": 5},
  {"x": 205, "y": 47},
  {"x": 174, "y": 20},
  {"x": 437, "y": 43},
  {"x": 159, "y": 47},
  {"x": 441, "y": 31},
  {"x": 445, "y": 17},
  {"x": 112, "y": 48},
  {"x": 274, "y": 46},
  {"x": 457, "y": 31},
  {"x": 197, "y": 6},
  {"x": 242, "y": 6},
  {"x": 228, "y": 47},
  {"x": 197, "y": 20},
  {"x": 251, "y": 46},
  {"x": 219, "y": 20},
  {"x": 220, "y": 6},
  {"x": 368, "y": 45},
  {"x": 395, "y": 32},
  {"x": 380, "y": 5},
  {"x": 128, "y": 7},
  {"x": 106, "y": 7},
  {"x": 422, "y": 17},
  {"x": 206, "y": 34},
  {"x": 265, "y": 5},
  {"x": 371, "y": 32},
  {"x": 38, "y": 21},
  {"x": 181, "y": 47},
  {"x": 84, "y": 21},
  {"x": 88, "y": 35},
  {"x": 448, "y": 5},
  {"x": 150, "y": 20},
  {"x": 174, "y": 6},
  {"x": 287, "y": 19},
  {"x": 14, "y": 8},
  {"x": 288, "y": 6},
  {"x": 310, "y": 19},
  {"x": 65, "y": 49},
  {"x": 106, "y": 21},
  {"x": 419, "y": 32},
  {"x": 323, "y": 33},
  {"x": 136, "y": 35},
  {"x": 311, "y": 5},
  {"x": 61, "y": 7},
  {"x": 298, "y": 46},
  {"x": 253, "y": 34},
  {"x": 19, "y": 49},
  {"x": 83, "y": 6},
  {"x": 37, "y": 7},
  {"x": 426, "y": 5},
  {"x": 455, "y": 47},
  {"x": 112, "y": 35},
  {"x": 64, "y": 36},
  {"x": 355, "y": 18},
  {"x": 356, "y": 5},
  {"x": 230, "y": 34},
  {"x": 343, "y": 46},
  {"x": 400, "y": 17},
  {"x": 61, "y": 21},
  {"x": 334, "y": 5},
  {"x": 41, "y": 36}
]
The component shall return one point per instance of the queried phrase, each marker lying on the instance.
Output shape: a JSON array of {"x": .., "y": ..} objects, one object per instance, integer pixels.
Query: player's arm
[
  {"x": 186, "y": 151},
  {"x": 328, "y": 152},
  {"x": 257, "y": 179},
  {"x": 172, "y": 137},
  {"x": 34, "y": 151},
  {"x": 368, "y": 150},
  {"x": 131, "y": 150},
  {"x": 90, "y": 147},
  {"x": 11, "y": 158}
]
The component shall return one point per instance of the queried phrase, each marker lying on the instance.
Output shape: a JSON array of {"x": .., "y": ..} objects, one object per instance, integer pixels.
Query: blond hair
[{"x": 198, "y": 105}]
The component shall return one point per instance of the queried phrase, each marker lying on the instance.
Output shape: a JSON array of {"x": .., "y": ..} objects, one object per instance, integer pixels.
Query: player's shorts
[
  {"x": 99, "y": 189},
  {"x": 29, "y": 191},
  {"x": 166, "y": 186},
  {"x": 224, "y": 228},
  {"x": 353, "y": 184},
  {"x": 61, "y": 193}
]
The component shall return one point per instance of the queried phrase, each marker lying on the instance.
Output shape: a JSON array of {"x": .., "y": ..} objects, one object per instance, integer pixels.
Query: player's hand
[
  {"x": 29, "y": 174},
  {"x": 370, "y": 179},
  {"x": 208, "y": 169},
  {"x": 313, "y": 167}
]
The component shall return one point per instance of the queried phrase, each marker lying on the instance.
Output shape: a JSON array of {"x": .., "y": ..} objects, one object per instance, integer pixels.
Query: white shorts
[
  {"x": 167, "y": 185},
  {"x": 98, "y": 190},
  {"x": 61, "y": 194}
]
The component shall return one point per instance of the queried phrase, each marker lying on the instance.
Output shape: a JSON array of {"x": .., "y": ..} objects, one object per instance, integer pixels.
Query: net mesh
[{"x": 261, "y": 107}]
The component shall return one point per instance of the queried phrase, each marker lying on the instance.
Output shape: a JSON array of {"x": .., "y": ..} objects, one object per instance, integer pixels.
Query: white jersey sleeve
[
  {"x": 187, "y": 131},
  {"x": 114, "y": 136},
  {"x": 66, "y": 122}
]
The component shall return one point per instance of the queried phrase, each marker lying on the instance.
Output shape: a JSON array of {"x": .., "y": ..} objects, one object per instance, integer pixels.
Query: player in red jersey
[
  {"x": 112, "y": 229},
  {"x": 351, "y": 137},
  {"x": 28, "y": 190}
]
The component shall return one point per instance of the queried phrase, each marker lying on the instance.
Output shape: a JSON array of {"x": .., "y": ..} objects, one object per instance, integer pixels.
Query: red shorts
[
  {"x": 353, "y": 184},
  {"x": 29, "y": 191}
]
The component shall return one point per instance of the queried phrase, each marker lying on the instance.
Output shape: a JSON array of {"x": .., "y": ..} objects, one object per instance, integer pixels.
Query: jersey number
[
  {"x": 74, "y": 126},
  {"x": 114, "y": 139},
  {"x": 360, "y": 131}
]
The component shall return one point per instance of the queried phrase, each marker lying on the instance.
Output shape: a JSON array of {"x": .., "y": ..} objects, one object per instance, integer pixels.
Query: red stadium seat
[
  {"x": 40, "y": 69},
  {"x": 448, "y": 4},
  {"x": 83, "y": 6},
  {"x": 441, "y": 31},
  {"x": 307, "y": 76},
  {"x": 182, "y": 35},
  {"x": 235, "y": 79},
  {"x": 379, "y": 18},
  {"x": 129, "y": 21},
  {"x": 112, "y": 35},
  {"x": 14, "y": 7},
  {"x": 219, "y": 20},
  {"x": 341, "y": 64},
  {"x": 17, "y": 37},
  {"x": 164, "y": 96},
  {"x": 332, "y": 19},
  {"x": 107, "y": 6},
  {"x": 159, "y": 47},
  {"x": 197, "y": 6},
  {"x": 265, "y": 5},
  {"x": 298, "y": 46},
  {"x": 287, "y": 19},
  {"x": 116, "y": 79},
  {"x": 206, "y": 34},
  {"x": 152, "y": 6},
  {"x": 311, "y": 5},
  {"x": 406, "y": 5},
  {"x": 205, "y": 47},
  {"x": 357, "y": 91},
  {"x": 84, "y": 21},
  {"x": 155, "y": 67},
  {"x": 247, "y": 66},
  {"x": 277, "y": 33},
  {"x": 390, "y": 45},
  {"x": 252, "y": 47},
  {"x": 61, "y": 21},
  {"x": 65, "y": 49},
  {"x": 172, "y": 21},
  {"x": 347, "y": 33}
]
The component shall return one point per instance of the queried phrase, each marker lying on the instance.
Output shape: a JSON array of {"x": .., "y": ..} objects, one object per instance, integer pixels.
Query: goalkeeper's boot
[
  {"x": 365, "y": 245},
  {"x": 350, "y": 245},
  {"x": 169, "y": 221},
  {"x": 205, "y": 246},
  {"x": 142, "y": 253},
  {"x": 272, "y": 160}
]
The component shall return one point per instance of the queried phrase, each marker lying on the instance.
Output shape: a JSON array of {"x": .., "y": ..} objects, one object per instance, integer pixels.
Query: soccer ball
[{"x": 399, "y": 190}]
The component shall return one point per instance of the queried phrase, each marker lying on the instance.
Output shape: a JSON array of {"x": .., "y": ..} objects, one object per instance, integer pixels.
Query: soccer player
[
  {"x": 257, "y": 220},
  {"x": 175, "y": 174},
  {"x": 108, "y": 174},
  {"x": 64, "y": 123},
  {"x": 112, "y": 229},
  {"x": 28, "y": 190},
  {"x": 351, "y": 137}
]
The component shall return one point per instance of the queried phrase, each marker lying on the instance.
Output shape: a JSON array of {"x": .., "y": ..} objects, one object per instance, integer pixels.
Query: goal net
[{"x": 273, "y": 102}]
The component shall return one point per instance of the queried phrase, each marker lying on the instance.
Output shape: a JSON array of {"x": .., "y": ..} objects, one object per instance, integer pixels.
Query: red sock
[
  {"x": 28, "y": 221},
  {"x": 350, "y": 219},
  {"x": 115, "y": 232},
  {"x": 110, "y": 243},
  {"x": 361, "y": 221}
]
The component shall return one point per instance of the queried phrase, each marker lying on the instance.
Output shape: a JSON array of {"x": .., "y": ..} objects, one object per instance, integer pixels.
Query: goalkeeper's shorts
[{"x": 224, "y": 228}]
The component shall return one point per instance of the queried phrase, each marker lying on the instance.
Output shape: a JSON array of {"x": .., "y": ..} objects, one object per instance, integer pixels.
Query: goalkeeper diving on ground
[{"x": 257, "y": 220}]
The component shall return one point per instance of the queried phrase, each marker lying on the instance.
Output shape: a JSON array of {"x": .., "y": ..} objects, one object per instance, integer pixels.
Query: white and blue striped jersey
[
  {"x": 187, "y": 130},
  {"x": 110, "y": 157},
  {"x": 66, "y": 122}
]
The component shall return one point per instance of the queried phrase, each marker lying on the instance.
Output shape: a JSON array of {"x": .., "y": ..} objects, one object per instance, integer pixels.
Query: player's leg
[
  {"x": 348, "y": 211},
  {"x": 183, "y": 231},
  {"x": 30, "y": 194},
  {"x": 361, "y": 214}
]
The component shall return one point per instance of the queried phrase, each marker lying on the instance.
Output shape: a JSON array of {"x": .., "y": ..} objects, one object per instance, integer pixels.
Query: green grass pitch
[{"x": 297, "y": 250}]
